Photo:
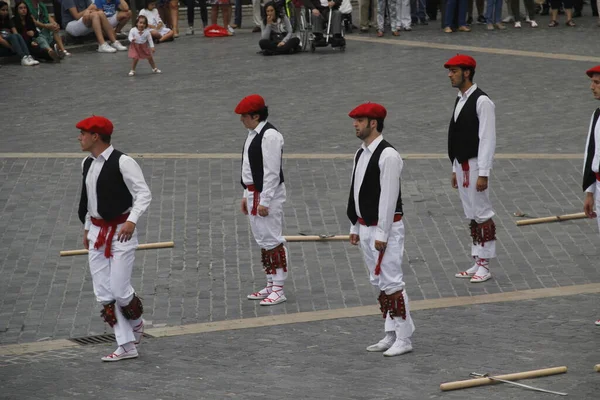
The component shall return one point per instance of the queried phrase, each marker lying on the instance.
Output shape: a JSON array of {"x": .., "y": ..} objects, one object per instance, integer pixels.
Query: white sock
[
  {"x": 483, "y": 266},
  {"x": 277, "y": 290},
  {"x": 125, "y": 348},
  {"x": 390, "y": 337},
  {"x": 475, "y": 266}
]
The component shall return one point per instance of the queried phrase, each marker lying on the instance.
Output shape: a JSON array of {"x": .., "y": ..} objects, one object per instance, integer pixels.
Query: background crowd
[{"x": 30, "y": 31}]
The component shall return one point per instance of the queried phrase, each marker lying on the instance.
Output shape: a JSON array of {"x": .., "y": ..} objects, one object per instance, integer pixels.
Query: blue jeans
[
  {"x": 493, "y": 11},
  {"x": 417, "y": 9},
  {"x": 451, "y": 6},
  {"x": 19, "y": 47},
  {"x": 237, "y": 19}
]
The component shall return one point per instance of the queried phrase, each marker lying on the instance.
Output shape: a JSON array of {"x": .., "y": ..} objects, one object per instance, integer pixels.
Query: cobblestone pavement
[
  {"x": 327, "y": 360},
  {"x": 541, "y": 108}
]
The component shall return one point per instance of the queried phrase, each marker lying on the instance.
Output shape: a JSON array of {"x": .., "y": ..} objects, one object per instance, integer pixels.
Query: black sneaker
[
  {"x": 470, "y": 20},
  {"x": 481, "y": 20}
]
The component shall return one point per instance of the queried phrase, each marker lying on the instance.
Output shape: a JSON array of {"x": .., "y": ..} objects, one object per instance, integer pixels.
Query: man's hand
[
  {"x": 244, "y": 206},
  {"x": 280, "y": 44},
  {"x": 160, "y": 25},
  {"x": 126, "y": 232},
  {"x": 454, "y": 181},
  {"x": 354, "y": 239},
  {"x": 315, "y": 12},
  {"x": 482, "y": 183},
  {"x": 86, "y": 242},
  {"x": 153, "y": 49},
  {"x": 588, "y": 205},
  {"x": 380, "y": 246},
  {"x": 331, "y": 4},
  {"x": 269, "y": 19},
  {"x": 263, "y": 211}
]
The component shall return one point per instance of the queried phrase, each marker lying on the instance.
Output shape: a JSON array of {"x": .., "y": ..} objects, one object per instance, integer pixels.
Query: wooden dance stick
[
  {"x": 556, "y": 218},
  {"x": 146, "y": 246},
  {"x": 509, "y": 377},
  {"x": 316, "y": 238},
  {"x": 597, "y": 368}
]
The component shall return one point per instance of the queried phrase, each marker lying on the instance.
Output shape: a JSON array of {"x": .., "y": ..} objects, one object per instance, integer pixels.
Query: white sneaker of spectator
[
  {"x": 230, "y": 29},
  {"x": 156, "y": 71},
  {"x": 190, "y": 30},
  {"x": 33, "y": 60},
  {"x": 105, "y": 48},
  {"x": 26, "y": 62},
  {"x": 517, "y": 24},
  {"x": 117, "y": 45},
  {"x": 508, "y": 19},
  {"x": 533, "y": 24}
]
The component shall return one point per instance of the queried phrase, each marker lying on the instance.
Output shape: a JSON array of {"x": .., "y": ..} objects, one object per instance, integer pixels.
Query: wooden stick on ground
[
  {"x": 146, "y": 246},
  {"x": 509, "y": 377},
  {"x": 555, "y": 218},
  {"x": 316, "y": 238}
]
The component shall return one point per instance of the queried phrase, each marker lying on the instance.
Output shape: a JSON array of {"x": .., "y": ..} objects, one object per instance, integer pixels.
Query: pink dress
[{"x": 141, "y": 44}]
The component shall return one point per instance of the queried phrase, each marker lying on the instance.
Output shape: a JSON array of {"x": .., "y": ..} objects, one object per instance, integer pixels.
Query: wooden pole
[
  {"x": 509, "y": 377},
  {"x": 316, "y": 238},
  {"x": 555, "y": 218},
  {"x": 597, "y": 368},
  {"x": 146, "y": 246}
]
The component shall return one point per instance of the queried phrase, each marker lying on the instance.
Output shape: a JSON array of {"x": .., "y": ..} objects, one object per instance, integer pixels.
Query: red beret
[
  {"x": 250, "y": 104},
  {"x": 369, "y": 110},
  {"x": 590, "y": 72},
  {"x": 461, "y": 60},
  {"x": 96, "y": 124}
]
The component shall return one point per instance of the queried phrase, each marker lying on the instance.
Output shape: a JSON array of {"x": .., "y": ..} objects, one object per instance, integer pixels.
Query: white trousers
[
  {"x": 268, "y": 231},
  {"x": 597, "y": 200},
  {"x": 390, "y": 280},
  {"x": 476, "y": 205},
  {"x": 111, "y": 278},
  {"x": 256, "y": 12}
]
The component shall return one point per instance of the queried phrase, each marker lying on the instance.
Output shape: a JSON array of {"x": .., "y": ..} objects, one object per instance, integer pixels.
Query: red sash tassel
[
  {"x": 465, "y": 168},
  {"x": 107, "y": 232}
]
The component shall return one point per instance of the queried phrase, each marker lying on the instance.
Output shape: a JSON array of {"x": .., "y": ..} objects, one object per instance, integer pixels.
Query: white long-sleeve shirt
[
  {"x": 272, "y": 147},
  {"x": 390, "y": 166},
  {"x": 133, "y": 178},
  {"x": 596, "y": 159},
  {"x": 486, "y": 112},
  {"x": 141, "y": 37}
]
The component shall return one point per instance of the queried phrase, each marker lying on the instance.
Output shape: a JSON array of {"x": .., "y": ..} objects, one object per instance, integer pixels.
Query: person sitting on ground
[
  {"x": 320, "y": 10},
  {"x": 37, "y": 45},
  {"x": 47, "y": 26},
  {"x": 10, "y": 41},
  {"x": 158, "y": 30},
  {"x": 117, "y": 12},
  {"x": 276, "y": 36},
  {"x": 80, "y": 19}
]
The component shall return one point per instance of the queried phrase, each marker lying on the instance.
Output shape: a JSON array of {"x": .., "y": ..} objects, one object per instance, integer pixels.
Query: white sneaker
[
  {"x": 33, "y": 60},
  {"x": 508, "y": 19},
  {"x": 383, "y": 344},
  {"x": 131, "y": 73},
  {"x": 400, "y": 346},
  {"x": 105, "y": 48},
  {"x": 597, "y": 323},
  {"x": 517, "y": 24},
  {"x": 230, "y": 29},
  {"x": 533, "y": 24},
  {"x": 25, "y": 61},
  {"x": 190, "y": 30},
  {"x": 120, "y": 354},
  {"x": 156, "y": 71},
  {"x": 117, "y": 45}
]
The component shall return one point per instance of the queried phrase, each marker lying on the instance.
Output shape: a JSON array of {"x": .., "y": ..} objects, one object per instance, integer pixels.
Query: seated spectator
[
  {"x": 320, "y": 10},
  {"x": 158, "y": 30},
  {"x": 47, "y": 26},
  {"x": 10, "y": 41},
  {"x": 276, "y": 36},
  {"x": 117, "y": 12},
  {"x": 81, "y": 19},
  {"x": 23, "y": 23},
  {"x": 225, "y": 11}
]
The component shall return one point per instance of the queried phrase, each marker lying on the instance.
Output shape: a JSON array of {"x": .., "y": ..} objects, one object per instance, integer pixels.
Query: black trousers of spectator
[
  {"x": 270, "y": 46},
  {"x": 431, "y": 8},
  {"x": 578, "y": 6},
  {"x": 529, "y": 7},
  {"x": 191, "y": 7},
  {"x": 555, "y": 4},
  {"x": 479, "y": 4}
]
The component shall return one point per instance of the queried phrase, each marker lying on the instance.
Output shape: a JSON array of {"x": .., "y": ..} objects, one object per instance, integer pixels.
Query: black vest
[
  {"x": 255, "y": 158},
  {"x": 589, "y": 176},
  {"x": 463, "y": 135},
  {"x": 114, "y": 197},
  {"x": 370, "y": 189}
]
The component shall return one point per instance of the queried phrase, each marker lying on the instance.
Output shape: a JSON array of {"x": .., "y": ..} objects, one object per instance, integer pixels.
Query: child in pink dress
[{"x": 141, "y": 45}]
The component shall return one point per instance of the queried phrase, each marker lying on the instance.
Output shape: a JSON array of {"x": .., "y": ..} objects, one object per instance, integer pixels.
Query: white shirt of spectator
[
  {"x": 152, "y": 16},
  {"x": 141, "y": 37},
  {"x": 133, "y": 178},
  {"x": 390, "y": 165},
  {"x": 271, "y": 145},
  {"x": 486, "y": 112},
  {"x": 596, "y": 159},
  {"x": 324, "y": 3}
]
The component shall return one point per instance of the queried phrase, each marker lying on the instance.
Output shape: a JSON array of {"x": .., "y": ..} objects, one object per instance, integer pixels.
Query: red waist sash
[
  {"x": 255, "y": 198},
  {"x": 107, "y": 232}
]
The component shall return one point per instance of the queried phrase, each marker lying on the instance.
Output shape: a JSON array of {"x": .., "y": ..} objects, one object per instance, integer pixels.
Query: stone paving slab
[
  {"x": 327, "y": 360},
  {"x": 216, "y": 263}
]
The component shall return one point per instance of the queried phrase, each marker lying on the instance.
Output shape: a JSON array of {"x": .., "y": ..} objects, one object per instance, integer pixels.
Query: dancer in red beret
[
  {"x": 264, "y": 195},
  {"x": 591, "y": 163},
  {"x": 471, "y": 146},
  {"x": 114, "y": 195},
  {"x": 375, "y": 211}
]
